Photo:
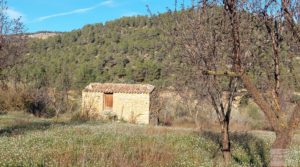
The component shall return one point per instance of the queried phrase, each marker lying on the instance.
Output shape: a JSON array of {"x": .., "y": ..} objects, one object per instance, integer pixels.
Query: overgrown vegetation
[{"x": 30, "y": 141}]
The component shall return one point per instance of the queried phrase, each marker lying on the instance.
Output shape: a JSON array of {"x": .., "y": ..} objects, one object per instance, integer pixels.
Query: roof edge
[{"x": 119, "y": 88}]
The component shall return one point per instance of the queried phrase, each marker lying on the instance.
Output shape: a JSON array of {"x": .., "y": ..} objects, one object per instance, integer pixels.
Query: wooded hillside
[
  {"x": 126, "y": 50},
  {"x": 129, "y": 50}
]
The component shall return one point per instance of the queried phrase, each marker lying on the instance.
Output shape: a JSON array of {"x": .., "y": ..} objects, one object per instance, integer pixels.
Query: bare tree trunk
[
  {"x": 226, "y": 150},
  {"x": 280, "y": 147}
]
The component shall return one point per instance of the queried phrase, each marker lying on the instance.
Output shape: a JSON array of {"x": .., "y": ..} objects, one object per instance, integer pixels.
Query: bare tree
[
  {"x": 253, "y": 42},
  {"x": 271, "y": 99},
  {"x": 12, "y": 39},
  {"x": 199, "y": 31}
]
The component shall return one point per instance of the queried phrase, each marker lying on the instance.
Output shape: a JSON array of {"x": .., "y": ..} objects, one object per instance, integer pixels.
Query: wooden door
[{"x": 108, "y": 101}]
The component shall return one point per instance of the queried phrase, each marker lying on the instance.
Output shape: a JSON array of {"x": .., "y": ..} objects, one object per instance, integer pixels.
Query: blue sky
[{"x": 66, "y": 15}]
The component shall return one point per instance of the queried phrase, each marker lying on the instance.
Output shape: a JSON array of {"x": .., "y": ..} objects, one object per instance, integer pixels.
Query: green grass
[{"x": 29, "y": 141}]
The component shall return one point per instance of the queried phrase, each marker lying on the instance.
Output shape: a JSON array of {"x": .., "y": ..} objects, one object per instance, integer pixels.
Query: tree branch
[
  {"x": 260, "y": 101},
  {"x": 232, "y": 86},
  {"x": 289, "y": 18},
  {"x": 274, "y": 34}
]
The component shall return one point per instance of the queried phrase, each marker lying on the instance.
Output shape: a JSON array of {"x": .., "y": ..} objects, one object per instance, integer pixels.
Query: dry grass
[{"x": 29, "y": 141}]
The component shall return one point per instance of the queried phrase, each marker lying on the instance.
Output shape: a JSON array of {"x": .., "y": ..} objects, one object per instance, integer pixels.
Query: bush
[
  {"x": 11, "y": 98},
  {"x": 111, "y": 116},
  {"x": 38, "y": 103},
  {"x": 78, "y": 116}
]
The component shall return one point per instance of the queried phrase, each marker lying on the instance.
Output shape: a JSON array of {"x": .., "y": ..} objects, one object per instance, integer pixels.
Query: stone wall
[{"x": 134, "y": 108}]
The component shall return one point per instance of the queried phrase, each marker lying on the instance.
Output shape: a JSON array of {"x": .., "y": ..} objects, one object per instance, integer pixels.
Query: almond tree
[
  {"x": 198, "y": 31},
  {"x": 254, "y": 42},
  {"x": 276, "y": 17}
]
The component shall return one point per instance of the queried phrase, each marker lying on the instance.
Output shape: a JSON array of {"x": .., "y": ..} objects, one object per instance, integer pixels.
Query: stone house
[{"x": 128, "y": 102}]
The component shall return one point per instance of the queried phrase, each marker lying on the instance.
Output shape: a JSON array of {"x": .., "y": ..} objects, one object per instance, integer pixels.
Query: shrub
[
  {"x": 11, "y": 98},
  {"x": 42, "y": 102},
  {"x": 38, "y": 103},
  {"x": 84, "y": 116},
  {"x": 111, "y": 116},
  {"x": 78, "y": 116}
]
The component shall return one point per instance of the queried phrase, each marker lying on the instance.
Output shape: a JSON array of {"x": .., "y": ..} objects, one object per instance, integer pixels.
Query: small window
[{"x": 108, "y": 101}]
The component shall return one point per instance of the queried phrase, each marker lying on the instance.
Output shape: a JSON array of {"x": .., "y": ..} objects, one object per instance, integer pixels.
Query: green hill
[{"x": 129, "y": 49}]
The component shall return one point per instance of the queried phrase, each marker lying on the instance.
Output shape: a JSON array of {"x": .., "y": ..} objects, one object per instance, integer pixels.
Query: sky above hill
[{"x": 66, "y": 15}]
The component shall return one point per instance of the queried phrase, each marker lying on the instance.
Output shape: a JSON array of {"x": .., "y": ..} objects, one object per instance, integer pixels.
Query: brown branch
[
  {"x": 232, "y": 86},
  {"x": 274, "y": 34},
  {"x": 260, "y": 101},
  {"x": 231, "y": 8},
  {"x": 220, "y": 114},
  {"x": 289, "y": 18},
  {"x": 275, "y": 44}
]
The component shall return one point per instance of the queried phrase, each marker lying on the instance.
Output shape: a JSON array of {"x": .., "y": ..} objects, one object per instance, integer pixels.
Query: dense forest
[
  {"x": 126, "y": 50},
  {"x": 130, "y": 49}
]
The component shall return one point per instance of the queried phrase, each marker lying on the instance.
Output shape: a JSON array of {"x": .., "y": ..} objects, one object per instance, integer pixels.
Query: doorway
[{"x": 108, "y": 101}]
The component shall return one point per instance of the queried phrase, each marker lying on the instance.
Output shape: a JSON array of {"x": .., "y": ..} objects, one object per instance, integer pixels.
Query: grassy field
[{"x": 29, "y": 141}]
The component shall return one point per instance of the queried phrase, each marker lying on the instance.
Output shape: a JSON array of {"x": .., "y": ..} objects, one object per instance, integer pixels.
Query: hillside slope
[{"x": 126, "y": 50}]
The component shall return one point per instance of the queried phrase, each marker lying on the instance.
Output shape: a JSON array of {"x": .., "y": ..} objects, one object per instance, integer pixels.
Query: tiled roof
[{"x": 119, "y": 88}]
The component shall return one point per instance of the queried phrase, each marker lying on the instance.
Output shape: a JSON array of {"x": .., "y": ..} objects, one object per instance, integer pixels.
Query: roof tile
[{"x": 119, "y": 88}]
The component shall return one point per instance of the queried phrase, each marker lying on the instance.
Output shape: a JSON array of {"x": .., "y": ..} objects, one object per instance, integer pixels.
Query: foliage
[
  {"x": 125, "y": 50},
  {"x": 129, "y": 50}
]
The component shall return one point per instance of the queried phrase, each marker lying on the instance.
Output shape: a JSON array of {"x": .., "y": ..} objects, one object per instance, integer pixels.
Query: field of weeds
[{"x": 29, "y": 141}]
